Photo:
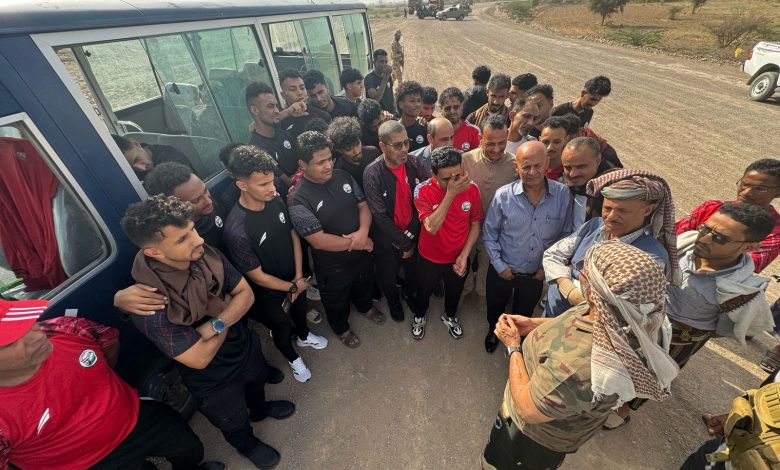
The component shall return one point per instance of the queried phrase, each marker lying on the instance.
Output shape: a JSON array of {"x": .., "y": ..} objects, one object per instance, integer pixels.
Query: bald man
[
  {"x": 540, "y": 213},
  {"x": 440, "y": 133}
]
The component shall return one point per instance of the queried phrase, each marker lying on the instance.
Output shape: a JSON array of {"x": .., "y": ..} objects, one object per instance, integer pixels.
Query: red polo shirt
[
  {"x": 445, "y": 246},
  {"x": 466, "y": 137}
]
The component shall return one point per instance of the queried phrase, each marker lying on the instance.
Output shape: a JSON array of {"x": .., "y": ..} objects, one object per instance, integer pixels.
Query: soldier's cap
[
  {"x": 17, "y": 317},
  {"x": 397, "y": 31}
]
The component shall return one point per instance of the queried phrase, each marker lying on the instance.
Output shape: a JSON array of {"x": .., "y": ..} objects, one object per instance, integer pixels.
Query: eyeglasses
[
  {"x": 398, "y": 146},
  {"x": 757, "y": 187},
  {"x": 718, "y": 238}
]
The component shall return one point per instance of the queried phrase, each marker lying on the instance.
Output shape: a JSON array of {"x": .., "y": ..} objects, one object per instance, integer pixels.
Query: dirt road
[{"x": 400, "y": 404}]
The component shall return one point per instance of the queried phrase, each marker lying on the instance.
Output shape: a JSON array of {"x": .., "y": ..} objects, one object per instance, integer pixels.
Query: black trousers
[
  {"x": 388, "y": 262},
  {"x": 509, "y": 448},
  {"x": 267, "y": 309},
  {"x": 429, "y": 274},
  {"x": 527, "y": 292},
  {"x": 226, "y": 407},
  {"x": 159, "y": 432},
  {"x": 698, "y": 459},
  {"x": 341, "y": 285}
]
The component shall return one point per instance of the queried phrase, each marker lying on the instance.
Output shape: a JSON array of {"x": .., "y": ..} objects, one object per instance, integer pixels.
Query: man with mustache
[
  {"x": 466, "y": 135},
  {"x": 525, "y": 113},
  {"x": 582, "y": 162},
  {"x": 596, "y": 89},
  {"x": 497, "y": 91}
]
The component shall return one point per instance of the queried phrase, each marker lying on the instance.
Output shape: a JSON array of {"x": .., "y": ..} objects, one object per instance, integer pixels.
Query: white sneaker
[
  {"x": 312, "y": 293},
  {"x": 312, "y": 341},
  {"x": 300, "y": 371}
]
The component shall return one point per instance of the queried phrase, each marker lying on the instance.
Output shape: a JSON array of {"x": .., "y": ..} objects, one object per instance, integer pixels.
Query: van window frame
[
  {"x": 94, "y": 267},
  {"x": 48, "y": 43}
]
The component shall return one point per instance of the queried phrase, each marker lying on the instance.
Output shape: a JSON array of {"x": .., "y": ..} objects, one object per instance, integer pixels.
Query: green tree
[
  {"x": 607, "y": 8},
  {"x": 696, "y": 4}
]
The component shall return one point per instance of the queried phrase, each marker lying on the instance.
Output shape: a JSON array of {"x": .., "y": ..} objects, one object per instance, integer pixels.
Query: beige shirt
[{"x": 489, "y": 175}]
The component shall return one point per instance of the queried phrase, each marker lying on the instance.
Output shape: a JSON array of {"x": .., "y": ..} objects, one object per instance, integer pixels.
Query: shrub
[
  {"x": 734, "y": 30},
  {"x": 519, "y": 10},
  {"x": 635, "y": 36},
  {"x": 674, "y": 10},
  {"x": 606, "y": 8}
]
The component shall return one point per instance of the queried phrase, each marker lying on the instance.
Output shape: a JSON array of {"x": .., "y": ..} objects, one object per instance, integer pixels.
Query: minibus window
[
  {"x": 47, "y": 236},
  {"x": 349, "y": 32},
  {"x": 305, "y": 45}
]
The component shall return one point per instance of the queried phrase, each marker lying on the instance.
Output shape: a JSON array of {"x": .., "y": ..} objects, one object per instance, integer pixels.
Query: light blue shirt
[{"x": 516, "y": 233}]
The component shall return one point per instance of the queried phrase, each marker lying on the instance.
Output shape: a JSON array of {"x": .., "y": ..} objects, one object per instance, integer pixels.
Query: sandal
[
  {"x": 770, "y": 362},
  {"x": 375, "y": 315},
  {"x": 349, "y": 339},
  {"x": 614, "y": 421}
]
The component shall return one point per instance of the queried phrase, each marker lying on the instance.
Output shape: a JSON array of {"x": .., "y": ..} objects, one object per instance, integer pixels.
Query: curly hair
[
  {"x": 429, "y": 95},
  {"x": 144, "y": 221},
  {"x": 224, "y": 153},
  {"x": 451, "y": 92},
  {"x": 310, "y": 142},
  {"x": 247, "y": 159},
  {"x": 316, "y": 124},
  {"x": 445, "y": 157},
  {"x": 769, "y": 166},
  {"x": 344, "y": 132},
  {"x": 165, "y": 177},
  {"x": 481, "y": 74},
  {"x": 313, "y": 78},
  {"x": 406, "y": 90},
  {"x": 757, "y": 220},
  {"x": 369, "y": 111},
  {"x": 348, "y": 76},
  {"x": 598, "y": 86}
]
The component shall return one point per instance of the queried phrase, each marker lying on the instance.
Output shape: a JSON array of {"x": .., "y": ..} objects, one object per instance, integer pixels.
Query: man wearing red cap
[{"x": 62, "y": 406}]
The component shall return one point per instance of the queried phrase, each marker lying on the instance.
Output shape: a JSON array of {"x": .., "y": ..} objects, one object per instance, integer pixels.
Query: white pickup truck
[{"x": 763, "y": 66}]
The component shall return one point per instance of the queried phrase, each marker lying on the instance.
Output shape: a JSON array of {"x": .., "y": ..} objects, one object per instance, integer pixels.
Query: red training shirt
[
  {"x": 445, "y": 246},
  {"x": 402, "y": 211},
  {"x": 768, "y": 249},
  {"x": 466, "y": 137},
  {"x": 75, "y": 410}
]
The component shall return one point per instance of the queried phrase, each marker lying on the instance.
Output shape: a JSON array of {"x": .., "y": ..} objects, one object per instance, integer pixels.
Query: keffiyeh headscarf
[
  {"x": 640, "y": 184},
  {"x": 627, "y": 289}
]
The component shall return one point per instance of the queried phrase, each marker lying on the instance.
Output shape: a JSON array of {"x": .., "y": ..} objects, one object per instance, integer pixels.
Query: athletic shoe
[
  {"x": 312, "y": 341},
  {"x": 300, "y": 371},
  {"x": 452, "y": 325},
  {"x": 418, "y": 327},
  {"x": 312, "y": 293}
]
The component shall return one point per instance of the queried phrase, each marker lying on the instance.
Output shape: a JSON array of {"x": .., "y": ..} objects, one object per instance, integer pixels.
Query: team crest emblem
[
  {"x": 218, "y": 221},
  {"x": 281, "y": 217},
  {"x": 88, "y": 358},
  {"x": 465, "y": 206},
  {"x": 347, "y": 188},
  {"x": 465, "y": 146},
  {"x": 287, "y": 145},
  {"x": 419, "y": 139}
]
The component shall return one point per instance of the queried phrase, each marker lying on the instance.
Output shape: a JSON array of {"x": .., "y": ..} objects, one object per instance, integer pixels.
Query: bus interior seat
[
  {"x": 202, "y": 152},
  {"x": 179, "y": 99},
  {"x": 78, "y": 238}
]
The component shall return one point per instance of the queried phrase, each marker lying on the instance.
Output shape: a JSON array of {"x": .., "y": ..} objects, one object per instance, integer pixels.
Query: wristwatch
[
  {"x": 218, "y": 326},
  {"x": 514, "y": 349},
  {"x": 293, "y": 288}
]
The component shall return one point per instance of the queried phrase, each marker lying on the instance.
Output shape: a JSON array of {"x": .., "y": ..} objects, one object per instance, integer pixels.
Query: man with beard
[
  {"x": 144, "y": 157},
  {"x": 466, "y": 135},
  {"x": 201, "y": 328},
  {"x": 542, "y": 95},
  {"x": 319, "y": 96},
  {"x": 759, "y": 185},
  {"x": 440, "y": 134},
  {"x": 595, "y": 90},
  {"x": 525, "y": 113},
  {"x": 582, "y": 162},
  {"x": 389, "y": 183},
  {"x": 409, "y": 104},
  {"x": 378, "y": 82},
  {"x": 349, "y": 152},
  {"x": 329, "y": 211},
  {"x": 497, "y": 90},
  {"x": 298, "y": 113},
  {"x": 429, "y": 98}
]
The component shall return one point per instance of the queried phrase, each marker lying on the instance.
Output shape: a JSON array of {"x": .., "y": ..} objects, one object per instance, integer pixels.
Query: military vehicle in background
[{"x": 424, "y": 9}]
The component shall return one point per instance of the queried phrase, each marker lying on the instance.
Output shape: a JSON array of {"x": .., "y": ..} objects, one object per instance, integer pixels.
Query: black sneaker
[
  {"x": 264, "y": 456},
  {"x": 277, "y": 409},
  {"x": 397, "y": 312},
  {"x": 275, "y": 376},
  {"x": 453, "y": 325}
]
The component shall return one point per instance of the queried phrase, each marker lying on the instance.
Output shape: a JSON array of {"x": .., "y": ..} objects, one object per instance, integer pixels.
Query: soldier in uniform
[{"x": 397, "y": 52}]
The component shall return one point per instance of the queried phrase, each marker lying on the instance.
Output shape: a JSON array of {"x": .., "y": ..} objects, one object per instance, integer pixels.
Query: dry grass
[{"x": 686, "y": 34}]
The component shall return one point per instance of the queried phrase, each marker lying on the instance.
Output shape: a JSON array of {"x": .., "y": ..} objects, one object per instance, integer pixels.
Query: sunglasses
[
  {"x": 717, "y": 237},
  {"x": 398, "y": 146}
]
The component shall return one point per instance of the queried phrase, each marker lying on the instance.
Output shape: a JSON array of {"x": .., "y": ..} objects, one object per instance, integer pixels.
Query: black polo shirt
[
  {"x": 418, "y": 134},
  {"x": 368, "y": 155},
  {"x": 210, "y": 227},
  {"x": 330, "y": 207},
  {"x": 343, "y": 107},
  {"x": 281, "y": 147},
  {"x": 261, "y": 239},
  {"x": 295, "y": 125},
  {"x": 568, "y": 108}
]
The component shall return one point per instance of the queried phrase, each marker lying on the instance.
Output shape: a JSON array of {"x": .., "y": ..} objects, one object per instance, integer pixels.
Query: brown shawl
[
  {"x": 193, "y": 293},
  {"x": 483, "y": 112}
]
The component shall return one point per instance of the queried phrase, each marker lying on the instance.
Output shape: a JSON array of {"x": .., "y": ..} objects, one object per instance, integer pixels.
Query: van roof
[{"x": 42, "y": 16}]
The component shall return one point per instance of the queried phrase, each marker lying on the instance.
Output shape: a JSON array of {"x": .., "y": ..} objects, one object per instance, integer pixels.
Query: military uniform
[
  {"x": 397, "y": 56},
  {"x": 557, "y": 357}
]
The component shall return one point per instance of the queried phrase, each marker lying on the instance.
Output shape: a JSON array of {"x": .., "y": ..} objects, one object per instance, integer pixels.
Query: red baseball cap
[{"x": 17, "y": 317}]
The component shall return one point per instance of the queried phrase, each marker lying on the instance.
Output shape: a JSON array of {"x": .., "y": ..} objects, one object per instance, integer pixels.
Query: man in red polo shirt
[
  {"x": 759, "y": 185},
  {"x": 466, "y": 136},
  {"x": 62, "y": 406},
  {"x": 450, "y": 211}
]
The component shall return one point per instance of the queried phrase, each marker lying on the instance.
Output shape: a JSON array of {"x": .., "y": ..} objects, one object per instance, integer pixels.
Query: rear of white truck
[{"x": 763, "y": 66}]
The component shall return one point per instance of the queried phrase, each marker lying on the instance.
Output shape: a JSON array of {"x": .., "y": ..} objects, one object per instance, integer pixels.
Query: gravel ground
[{"x": 397, "y": 403}]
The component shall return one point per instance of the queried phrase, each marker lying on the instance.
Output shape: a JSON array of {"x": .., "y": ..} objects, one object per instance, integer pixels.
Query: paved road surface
[{"x": 396, "y": 403}]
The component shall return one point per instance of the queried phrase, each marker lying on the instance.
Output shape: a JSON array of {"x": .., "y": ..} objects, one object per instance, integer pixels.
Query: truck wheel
[
  {"x": 460, "y": 18},
  {"x": 763, "y": 86},
  {"x": 162, "y": 382}
]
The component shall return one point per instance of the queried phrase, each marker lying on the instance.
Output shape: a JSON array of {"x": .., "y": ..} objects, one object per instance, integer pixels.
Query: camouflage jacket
[{"x": 397, "y": 53}]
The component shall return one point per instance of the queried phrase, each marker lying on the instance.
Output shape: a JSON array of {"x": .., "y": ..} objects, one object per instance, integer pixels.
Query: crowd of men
[{"x": 345, "y": 199}]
